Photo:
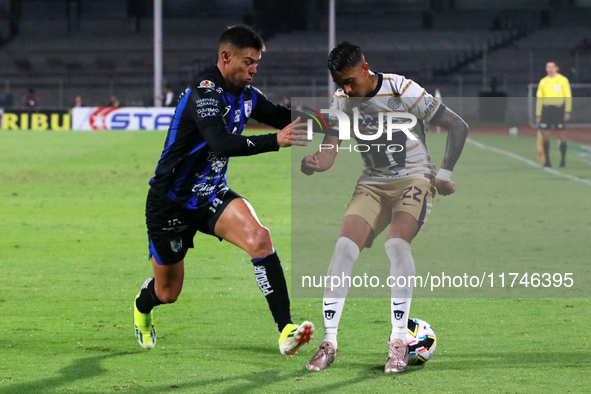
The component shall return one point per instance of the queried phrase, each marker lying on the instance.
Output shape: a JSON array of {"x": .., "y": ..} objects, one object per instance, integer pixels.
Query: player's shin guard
[
  {"x": 147, "y": 298},
  {"x": 271, "y": 280},
  {"x": 402, "y": 269},
  {"x": 345, "y": 254}
]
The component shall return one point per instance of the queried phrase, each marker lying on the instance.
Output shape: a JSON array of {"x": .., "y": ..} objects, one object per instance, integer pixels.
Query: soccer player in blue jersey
[{"x": 189, "y": 191}]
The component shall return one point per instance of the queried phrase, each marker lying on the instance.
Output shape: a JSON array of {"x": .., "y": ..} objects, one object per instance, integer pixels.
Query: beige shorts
[{"x": 377, "y": 203}]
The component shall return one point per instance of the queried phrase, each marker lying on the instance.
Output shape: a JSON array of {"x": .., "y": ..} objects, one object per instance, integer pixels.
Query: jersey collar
[
  {"x": 378, "y": 86},
  {"x": 219, "y": 79}
]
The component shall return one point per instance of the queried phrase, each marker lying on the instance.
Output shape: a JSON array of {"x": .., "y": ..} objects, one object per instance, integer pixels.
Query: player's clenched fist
[
  {"x": 445, "y": 188},
  {"x": 310, "y": 164}
]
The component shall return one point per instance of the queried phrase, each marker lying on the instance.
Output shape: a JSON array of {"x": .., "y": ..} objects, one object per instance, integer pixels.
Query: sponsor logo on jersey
[
  {"x": 207, "y": 111},
  {"x": 203, "y": 189},
  {"x": 206, "y": 84},
  {"x": 217, "y": 163},
  {"x": 204, "y": 102},
  {"x": 430, "y": 102},
  {"x": 247, "y": 108},
  {"x": 394, "y": 103},
  {"x": 237, "y": 116}
]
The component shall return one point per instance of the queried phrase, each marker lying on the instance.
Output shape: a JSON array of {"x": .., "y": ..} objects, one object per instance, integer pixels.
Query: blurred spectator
[
  {"x": 78, "y": 102},
  {"x": 30, "y": 99},
  {"x": 113, "y": 102},
  {"x": 169, "y": 97},
  {"x": 286, "y": 102}
]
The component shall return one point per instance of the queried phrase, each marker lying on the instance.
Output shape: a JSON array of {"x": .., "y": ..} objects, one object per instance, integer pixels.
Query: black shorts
[
  {"x": 171, "y": 228},
  {"x": 552, "y": 117}
]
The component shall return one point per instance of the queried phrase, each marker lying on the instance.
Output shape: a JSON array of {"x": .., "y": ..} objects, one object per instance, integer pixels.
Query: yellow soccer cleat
[
  {"x": 145, "y": 333},
  {"x": 294, "y": 336}
]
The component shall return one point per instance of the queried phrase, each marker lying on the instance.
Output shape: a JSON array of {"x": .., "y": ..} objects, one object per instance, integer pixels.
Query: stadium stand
[{"x": 108, "y": 56}]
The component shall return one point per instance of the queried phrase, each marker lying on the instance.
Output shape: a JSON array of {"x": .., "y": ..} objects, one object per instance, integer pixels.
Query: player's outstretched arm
[
  {"x": 225, "y": 144},
  {"x": 324, "y": 158},
  {"x": 294, "y": 133},
  {"x": 457, "y": 132}
]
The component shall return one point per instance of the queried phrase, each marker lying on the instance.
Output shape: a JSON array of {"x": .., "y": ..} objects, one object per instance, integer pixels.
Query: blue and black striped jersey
[{"x": 205, "y": 131}]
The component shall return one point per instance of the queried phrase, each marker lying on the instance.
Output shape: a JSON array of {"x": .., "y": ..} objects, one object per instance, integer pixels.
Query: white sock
[
  {"x": 345, "y": 254},
  {"x": 402, "y": 266}
]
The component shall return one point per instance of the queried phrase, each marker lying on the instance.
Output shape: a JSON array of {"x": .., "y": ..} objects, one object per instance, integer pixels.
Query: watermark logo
[
  {"x": 394, "y": 122},
  {"x": 318, "y": 118}
]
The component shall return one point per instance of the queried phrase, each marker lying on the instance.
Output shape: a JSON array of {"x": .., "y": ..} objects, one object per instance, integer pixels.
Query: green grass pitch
[{"x": 73, "y": 255}]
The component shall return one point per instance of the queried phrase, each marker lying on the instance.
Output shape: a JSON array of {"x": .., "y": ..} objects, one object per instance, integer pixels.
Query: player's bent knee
[
  {"x": 397, "y": 244},
  {"x": 346, "y": 247},
  {"x": 259, "y": 243},
  {"x": 345, "y": 254}
]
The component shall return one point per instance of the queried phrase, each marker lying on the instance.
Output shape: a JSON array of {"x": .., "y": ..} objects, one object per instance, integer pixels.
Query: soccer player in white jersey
[{"x": 396, "y": 189}]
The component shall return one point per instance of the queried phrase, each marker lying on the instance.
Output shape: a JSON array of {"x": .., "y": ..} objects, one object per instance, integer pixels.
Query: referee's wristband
[{"x": 444, "y": 175}]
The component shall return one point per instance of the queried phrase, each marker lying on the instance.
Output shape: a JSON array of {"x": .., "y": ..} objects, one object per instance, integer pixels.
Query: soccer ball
[{"x": 421, "y": 342}]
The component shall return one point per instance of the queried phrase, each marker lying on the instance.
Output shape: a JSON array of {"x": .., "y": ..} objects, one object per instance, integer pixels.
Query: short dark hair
[
  {"x": 242, "y": 36},
  {"x": 345, "y": 55}
]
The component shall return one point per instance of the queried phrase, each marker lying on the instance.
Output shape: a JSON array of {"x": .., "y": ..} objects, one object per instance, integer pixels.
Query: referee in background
[{"x": 553, "y": 108}]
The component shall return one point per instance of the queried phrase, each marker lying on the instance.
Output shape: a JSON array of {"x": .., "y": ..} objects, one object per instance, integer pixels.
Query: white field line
[{"x": 528, "y": 161}]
